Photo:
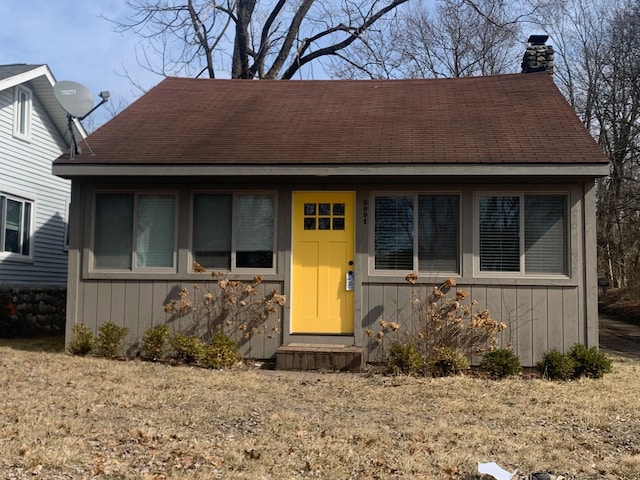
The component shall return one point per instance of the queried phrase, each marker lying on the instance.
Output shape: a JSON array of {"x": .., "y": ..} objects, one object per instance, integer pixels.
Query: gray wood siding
[
  {"x": 541, "y": 313},
  {"x": 139, "y": 305},
  {"x": 538, "y": 318},
  {"x": 25, "y": 168}
]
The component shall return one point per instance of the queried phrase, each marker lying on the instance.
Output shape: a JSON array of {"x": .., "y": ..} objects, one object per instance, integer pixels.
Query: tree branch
[
  {"x": 354, "y": 33},
  {"x": 292, "y": 33}
]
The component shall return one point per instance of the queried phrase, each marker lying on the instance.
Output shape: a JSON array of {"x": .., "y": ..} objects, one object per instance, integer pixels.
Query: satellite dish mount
[{"x": 77, "y": 101}]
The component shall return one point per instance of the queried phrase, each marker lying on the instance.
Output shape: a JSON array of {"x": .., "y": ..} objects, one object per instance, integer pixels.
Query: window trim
[
  {"x": 521, "y": 194},
  {"x": 24, "y": 198},
  {"x": 415, "y": 196},
  {"x": 234, "y": 199},
  {"x": 19, "y": 116},
  {"x": 134, "y": 269}
]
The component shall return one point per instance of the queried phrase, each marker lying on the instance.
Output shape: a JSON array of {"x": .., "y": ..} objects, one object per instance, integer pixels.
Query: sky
[{"x": 77, "y": 44}]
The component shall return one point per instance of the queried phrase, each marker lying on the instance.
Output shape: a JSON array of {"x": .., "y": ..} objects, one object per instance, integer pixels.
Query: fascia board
[
  {"x": 458, "y": 170},
  {"x": 27, "y": 76}
]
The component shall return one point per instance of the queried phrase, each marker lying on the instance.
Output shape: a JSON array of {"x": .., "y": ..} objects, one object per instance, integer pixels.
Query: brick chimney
[{"x": 538, "y": 57}]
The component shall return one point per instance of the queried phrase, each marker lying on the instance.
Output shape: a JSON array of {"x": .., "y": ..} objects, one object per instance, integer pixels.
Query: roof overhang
[
  {"x": 42, "y": 81},
  {"x": 71, "y": 171}
]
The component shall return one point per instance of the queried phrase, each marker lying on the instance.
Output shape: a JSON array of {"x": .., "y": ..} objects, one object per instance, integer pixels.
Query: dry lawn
[{"x": 64, "y": 417}]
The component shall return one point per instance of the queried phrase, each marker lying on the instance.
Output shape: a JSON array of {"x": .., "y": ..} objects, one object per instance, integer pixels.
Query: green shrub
[
  {"x": 589, "y": 362},
  {"x": 501, "y": 363},
  {"x": 556, "y": 366},
  {"x": 447, "y": 361},
  {"x": 188, "y": 349},
  {"x": 82, "y": 340},
  {"x": 220, "y": 352},
  {"x": 110, "y": 340},
  {"x": 154, "y": 342},
  {"x": 404, "y": 358}
]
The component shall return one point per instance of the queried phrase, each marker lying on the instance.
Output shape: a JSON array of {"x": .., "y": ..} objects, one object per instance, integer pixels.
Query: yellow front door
[{"x": 323, "y": 262}]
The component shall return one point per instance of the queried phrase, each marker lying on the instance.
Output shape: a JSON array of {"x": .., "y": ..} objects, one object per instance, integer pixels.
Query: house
[
  {"x": 33, "y": 201},
  {"x": 335, "y": 191}
]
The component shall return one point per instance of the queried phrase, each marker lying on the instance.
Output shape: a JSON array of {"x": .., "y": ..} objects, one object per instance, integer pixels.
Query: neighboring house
[
  {"x": 33, "y": 201},
  {"x": 487, "y": 180}
]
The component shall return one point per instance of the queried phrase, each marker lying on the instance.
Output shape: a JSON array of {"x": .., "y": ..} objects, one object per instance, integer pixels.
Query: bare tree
[
  {"x": 449, "y": 38},
  {"x": 246, "y": 38},
  {"x": 578, "y": 30},
  {"x": 463, "y": 39},
  {"x": 598, "y": 68},
  {"x": 617, "y": 112}
]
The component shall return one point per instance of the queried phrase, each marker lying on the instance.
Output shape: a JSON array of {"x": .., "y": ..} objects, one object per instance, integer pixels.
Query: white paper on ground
[{"x": 495, "y": 471}]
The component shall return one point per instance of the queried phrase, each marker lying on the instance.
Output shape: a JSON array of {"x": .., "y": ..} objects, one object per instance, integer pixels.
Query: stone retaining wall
[{"x": 29, "y": 312}]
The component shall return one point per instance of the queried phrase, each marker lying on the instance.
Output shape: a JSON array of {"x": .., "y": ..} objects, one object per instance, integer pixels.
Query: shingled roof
[{"x": 506, "y": 119}]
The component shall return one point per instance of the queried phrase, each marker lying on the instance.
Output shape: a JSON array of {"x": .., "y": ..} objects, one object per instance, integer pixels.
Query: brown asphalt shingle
[{"x": 505, "y": 119}]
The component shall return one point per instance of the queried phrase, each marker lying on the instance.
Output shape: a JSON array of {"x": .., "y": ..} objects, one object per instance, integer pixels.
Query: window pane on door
[
  {"x": 113, "y": 231},
  {"x": 545, "y": 234},
  {"x": 499, "y": 234},
  {"x": 438, "y": 233},
  {"x": 393, "y": 242},
  {"x": 212, "y": 230},
  {"x": 155, "y": 231},
  {"x": 254, "y": 219}
]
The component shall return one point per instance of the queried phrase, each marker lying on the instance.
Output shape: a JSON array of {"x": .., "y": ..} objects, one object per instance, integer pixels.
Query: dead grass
[{"x": 64, "y": 417}]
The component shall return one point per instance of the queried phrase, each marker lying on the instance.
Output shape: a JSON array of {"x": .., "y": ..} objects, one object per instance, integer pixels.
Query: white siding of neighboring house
[{"x": 25, "y": 167}]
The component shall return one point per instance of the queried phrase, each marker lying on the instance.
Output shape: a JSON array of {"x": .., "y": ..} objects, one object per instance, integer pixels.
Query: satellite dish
[{"x": 76, "y": 99}]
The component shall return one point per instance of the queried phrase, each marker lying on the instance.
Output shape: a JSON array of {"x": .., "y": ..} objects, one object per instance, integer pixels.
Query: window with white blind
[
  {"x": 134, "y": 231},
  {"x": 522, "y": 234},
  {"x": 234, "y": 231},
  {"x": 16, "y": 220},
  {"x": 417, "y": 232}
]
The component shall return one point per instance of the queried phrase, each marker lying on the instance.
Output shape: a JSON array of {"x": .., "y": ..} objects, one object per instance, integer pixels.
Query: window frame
[
  {"x": 415, "y": 196},
  {"x": 135, "y": 269},
  {"x": 233, "y": 252},
  {"x": 24, "y": 199},
  {"x": 21, "y": 117},
  {"x": 521, "y": 273}
]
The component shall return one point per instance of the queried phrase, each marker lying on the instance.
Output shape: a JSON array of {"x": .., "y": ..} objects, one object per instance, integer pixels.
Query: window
[
  {"x": 234, "y": 231},
  {"x": 134, "y": 231},
  {"x": 66, "y": 226},
  {"x": 434, "y": 224},
  {"x": 524, "y": 234},
  {"x": 22, "y": 113},
  {"x": 15, "y": 222}
]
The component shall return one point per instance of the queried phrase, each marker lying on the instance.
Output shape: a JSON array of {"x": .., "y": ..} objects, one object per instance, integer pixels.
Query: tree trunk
[{"x": 240, "y": 68}]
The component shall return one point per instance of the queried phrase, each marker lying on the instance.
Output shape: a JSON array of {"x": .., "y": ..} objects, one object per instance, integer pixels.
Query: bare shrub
[
  {"x": 445, "y": 320},
  {"x": 236, "y": 308}
]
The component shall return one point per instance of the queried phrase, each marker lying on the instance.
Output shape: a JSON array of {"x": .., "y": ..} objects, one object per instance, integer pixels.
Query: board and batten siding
[
  {"x": 25, "y": 169},
  {"x": 538, "y": 318},
  {"x": 541, "y": 313},
  {"x": 138, "y": 305}
]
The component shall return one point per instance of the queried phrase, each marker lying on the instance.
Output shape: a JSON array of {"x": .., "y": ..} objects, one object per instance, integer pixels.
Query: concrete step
[{"x": 317, "y": 356}]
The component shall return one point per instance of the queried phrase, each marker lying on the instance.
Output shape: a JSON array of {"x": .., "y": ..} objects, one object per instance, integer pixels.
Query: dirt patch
[
  {"x": 619, "y": 337},
  {"x": 622, "y": 305}
]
